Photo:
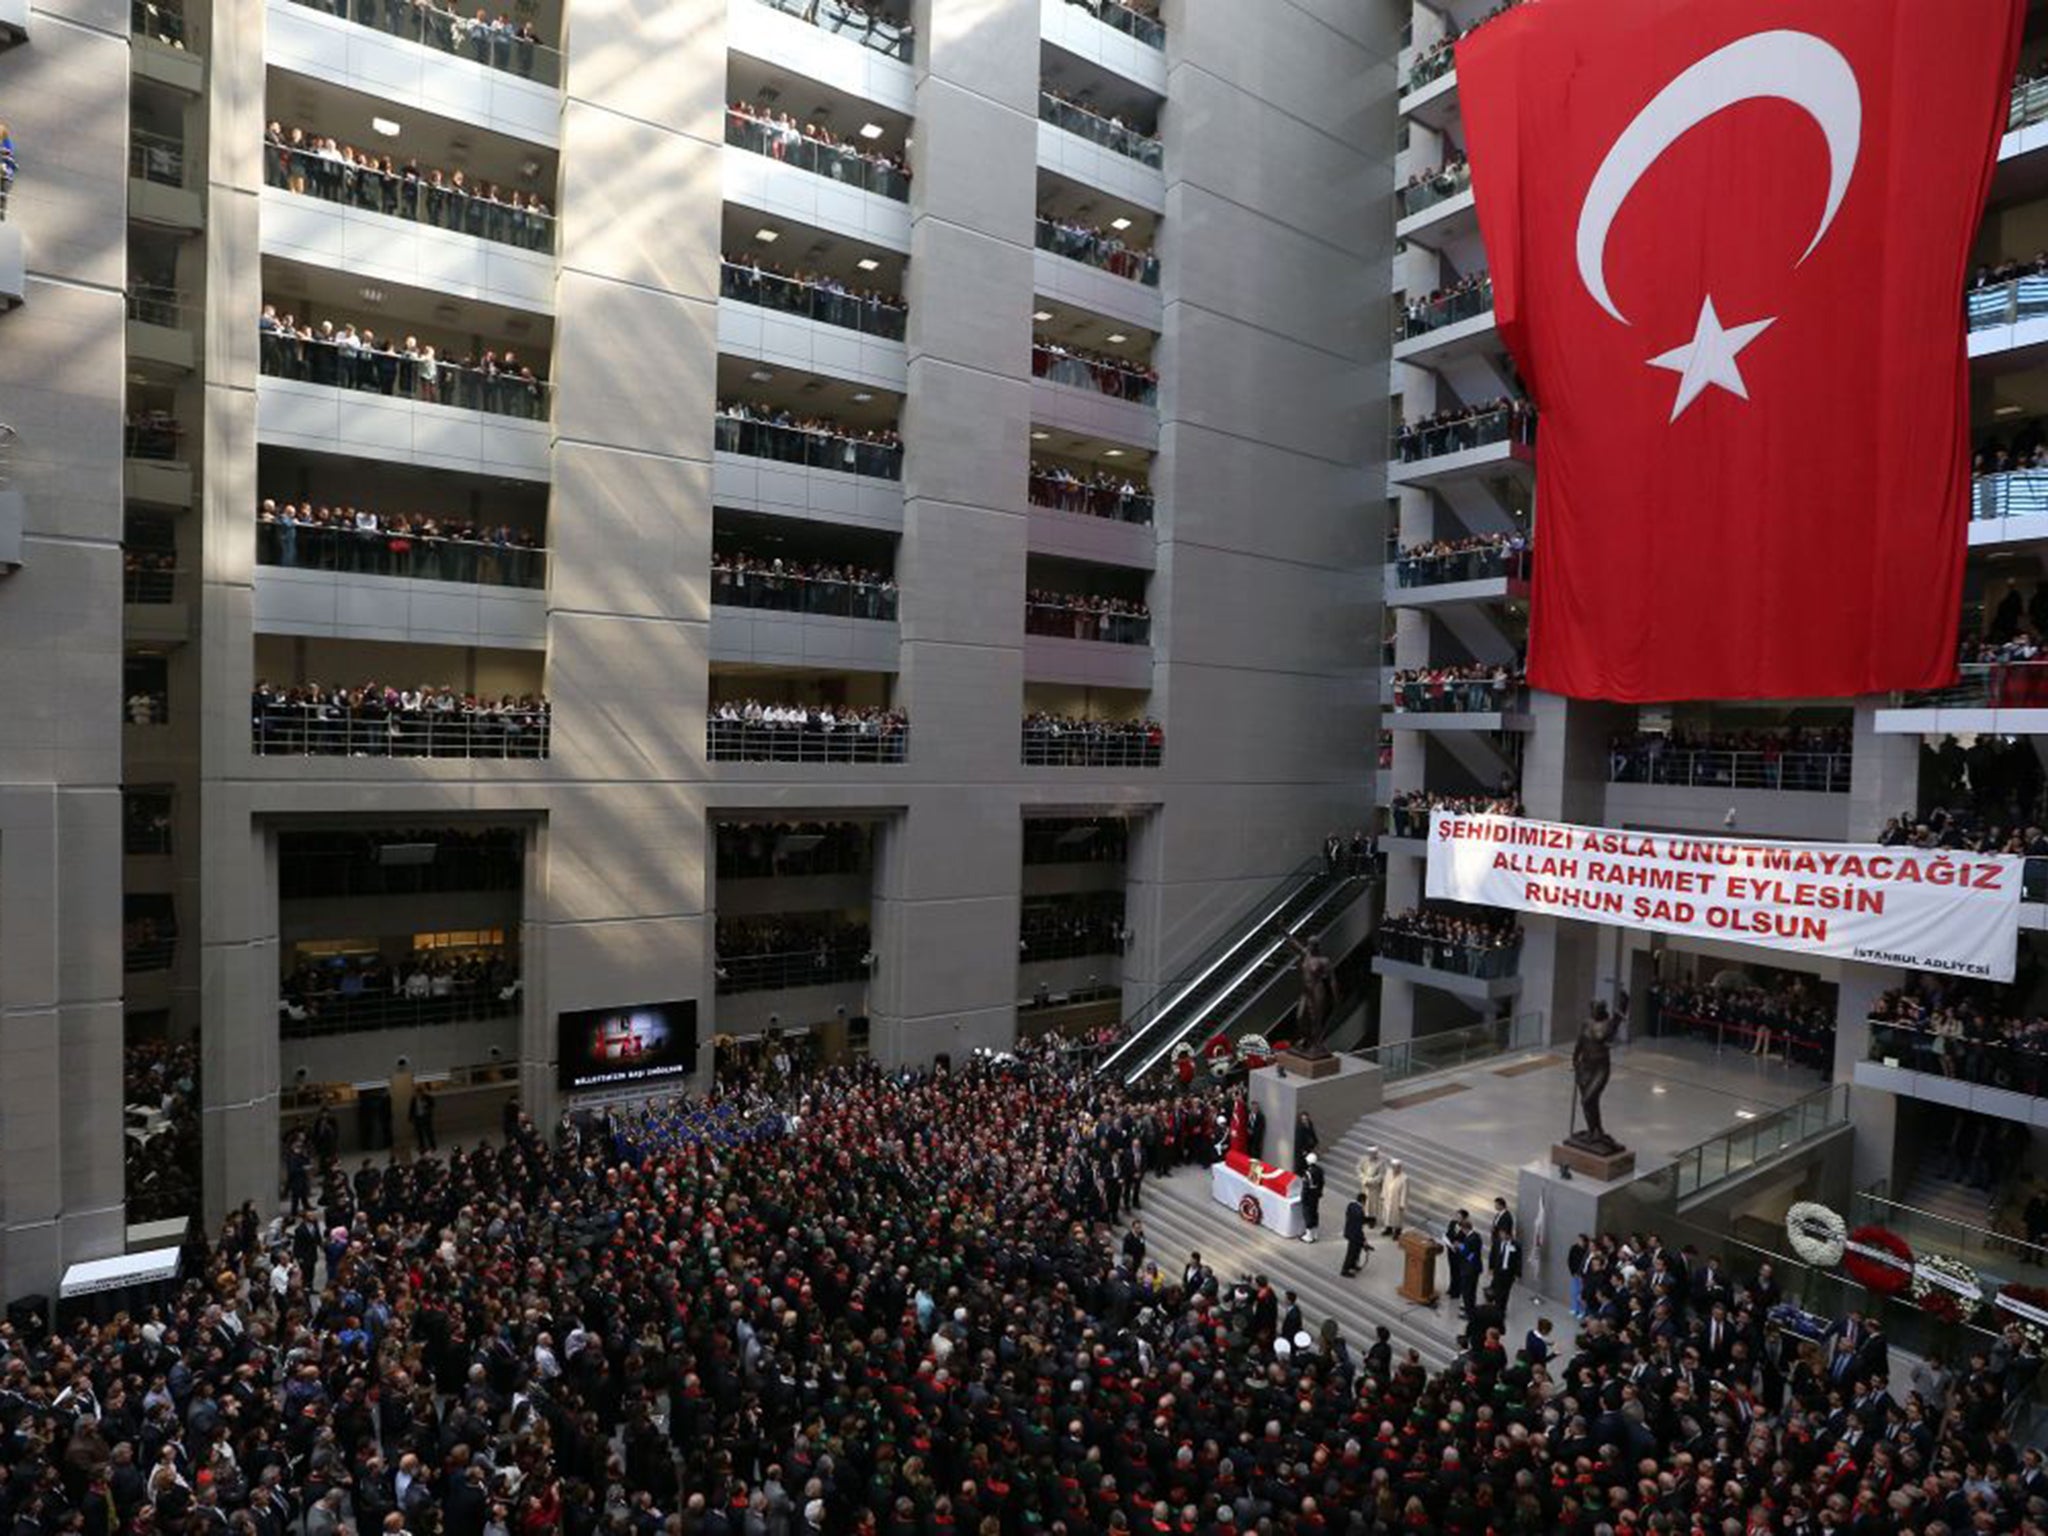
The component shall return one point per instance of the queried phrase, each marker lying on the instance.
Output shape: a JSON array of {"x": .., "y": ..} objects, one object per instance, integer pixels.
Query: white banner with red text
[{"x": 1924, "y": 908}]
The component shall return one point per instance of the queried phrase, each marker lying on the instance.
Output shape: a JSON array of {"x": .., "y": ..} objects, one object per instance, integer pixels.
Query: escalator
[{"x": 1230, "y": 987}]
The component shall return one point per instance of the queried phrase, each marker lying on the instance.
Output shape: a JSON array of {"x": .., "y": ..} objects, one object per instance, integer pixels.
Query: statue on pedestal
[
  {"x": 1318, "y": 995},
  {"x": 1592, "y": 1066}
]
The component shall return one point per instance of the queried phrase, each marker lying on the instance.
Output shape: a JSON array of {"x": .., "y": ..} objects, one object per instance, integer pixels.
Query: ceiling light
[
  {"x": 1041, "y": 314},
  {"x": 1116, "y": 336},
  {"x": 1113, "y": 453},
  {"x": 1745, "y": 1114},
  {"x": 1657, "y": 1088},
  {"x": 371, "y": 295},
  {"x": 1119, "y": 224},
  {"x": 385, "y": 125},
  {"x": 767, "y": 236},
  {"x": 867, "y": 264},
  {"x": 862, "y": 396},
  {"x": 761, "y": 375},
  {"x": 871, "y": 130},
  {"x": 2007, "y": 410},
  {"x": 1039, "y": 437}
]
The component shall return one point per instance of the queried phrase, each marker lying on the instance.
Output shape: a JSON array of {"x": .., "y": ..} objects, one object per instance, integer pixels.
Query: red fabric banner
[{"x": 1728, "y": 241}]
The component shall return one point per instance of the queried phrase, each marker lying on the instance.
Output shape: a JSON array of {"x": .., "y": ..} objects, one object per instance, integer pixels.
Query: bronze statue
[
  {"x": 1318, "y": 994},
  {"x": 1592, "y": 1065}
]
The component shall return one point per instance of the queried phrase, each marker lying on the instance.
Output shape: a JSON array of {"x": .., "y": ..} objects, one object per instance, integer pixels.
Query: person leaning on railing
[
  {"x": 1972, "y": 1031},
  {"x": 313, "y": 165},
  {"x": 1468, "y": 296},
  {"x": 1470, "y": 686},
  {"x": 1458, "y": 428},
  {"x": 1114, "y": 620},
  {"x": 742, "y": 580},
  {"x": 818, "y": 442},
  {"x": 750, "y": 280},
  {"x": 1101, "y": 248},
  {"x": 753, "y": 730},
  {"x": 1486, "y": 947},
  {"x": 377, "y": 720},
  {"x": 1052, "y": 740},
  {"x": 348, "y": 538},
  {"x": 1104, "y": 372},
  {"x": 1408, "y": 814},
  {"x": 1477, "y": 558},
  {"x": 344, "y": 357},
  {"x": 780, "y": 136},
  {"x": 1100, "y": 494}
]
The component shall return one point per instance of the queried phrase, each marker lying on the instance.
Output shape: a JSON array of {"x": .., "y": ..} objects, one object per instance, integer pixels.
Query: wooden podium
[{"x": 1418, "y": 1270}]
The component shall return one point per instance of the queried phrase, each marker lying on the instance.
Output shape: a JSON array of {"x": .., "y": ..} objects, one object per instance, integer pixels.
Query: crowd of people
[
  {"x": 813, "y": 147},
  {"x": 1965, "y": 1030},
  {"x": 817, "y": 442},
  {"x": 1078, "y": 616},
  {"x": 1464, "y": 299},
  {"x": 748, "y": 850},
  {"x": 1105, "y": 373},
  {"x": 1426, "y": 188},
  {"x": 790, "y": 949},
  {"x": 420, "y": 546},
  {"x": 1477, "y": 557},
  {"x": 1408, "y": 813},
  {"x": 814, "y": 295},
  {"x": 1140, "y": 18},
  {"x": 379, "y": 720},
  {"x": 496, "y": 41},
  {"x": 1436, "y": 60},
  {"x": 335, "y": 994},
  {"x": 1813, "y": 757},
  {"x": 1485, "y": 687},
  {"x": 319, "y": 165},
  {"x": 1084, "y": 741},
  {"x": 1791, "y": 1017},
  {"x": 783, "y": 731},
  {"x": 1457, "y": 428},
  {"x": 1072, "y": 927},
  {"x": 1103, "y": 248},
  {"x": 160, "y": 1098},
  {"x": 743, "y": 580},
  {"x": 148, "y": 575},
  {"x": 1464, "y": 941},
  {"x": 1105, "y": 128},
  {"x": 1101, "y": 493},
  {"x": 348, "y": 357},
  {"x": 867, "y": 22}
]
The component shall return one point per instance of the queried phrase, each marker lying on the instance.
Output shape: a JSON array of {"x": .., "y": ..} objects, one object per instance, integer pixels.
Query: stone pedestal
[
  {"x": 1605, "y": 1166},
  {"x": 1325, "y": 1064},
  {"x": 1418, "y": 1268},
  {"x": 1335, "y": 1102}
]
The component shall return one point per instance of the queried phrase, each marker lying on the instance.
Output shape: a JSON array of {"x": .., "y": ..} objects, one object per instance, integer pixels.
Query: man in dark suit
[
  {"x": 1354, "y": 1234},
  {"x": 1505, "y": 1266}
]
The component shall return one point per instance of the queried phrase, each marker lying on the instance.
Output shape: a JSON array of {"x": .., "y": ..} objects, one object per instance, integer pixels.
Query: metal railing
[
  {"x": 168, "y": 307},
  {"x": 1133, "y": 506},
  {"x": 1059, "y": 747},
  {"x": 1091, "y": 944},
  {"x": 1986, "y": 685},
  {"x": 862, "y": 24},
  {"x": 458, "y": 210},
  {"x": 147, "y": 835},
  {"x": 2014, "y": 493},
  {"x": 1430, "y": 68},
  {"x": 809, "y": 446},
  {"x": 1999, "y": 1258},
  {"x": 766, "y": 591},
  {"x": 1439, "y": 186},
  {"x": 1420, "y": 318},
  {"x": 1457, "y": 696},
  {"x": 148, "y": 955},
  {"x": 836, "y": 162},
  {"x": 153, "y": 435},
  {"x": 1493, "y": 564},
  {"x": 1093, "y": 126},
  {"x": 160, "y": 23},
  {"x": 1064, "y": 622},
  {"x": 308, "y": 1016},
  {"x": 739, "y": 741},
  {"x": 324, "y": 730},
  {"x": 2029, "y": 104},
  {"x": 1454, "y": 1048},
  {"x": 1105, "y": 252},
  {"x": 430, "y": 381},
  {"x": 408, "y": 556},
  {"x": 1516, "y": 424},
  {"x": 2007, "y": 303},
  {"x": 439, "y": 28},
  {"x": 155, "y": 585},
  {"x": 1960, "y": 1058},
  {"x": 1707, "y": 768},
  {"x": 1734, "y": 1152},
  {"x": 156, "y": 157},
  {"x": 869, "y": 314},
  {"x": 1487, "y": 962},
  {"x": 1149, "y": 30},
  {"x": 1116, "y": 380},
  {"x": 820, "y": 967}
]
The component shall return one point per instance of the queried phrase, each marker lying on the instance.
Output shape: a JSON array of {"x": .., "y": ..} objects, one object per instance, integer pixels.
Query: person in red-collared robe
[{"x": 1239, "y": 1135}]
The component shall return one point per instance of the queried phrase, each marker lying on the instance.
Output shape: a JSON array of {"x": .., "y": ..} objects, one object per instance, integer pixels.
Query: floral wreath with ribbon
[
  {"x": 2025, "y": 1307},
  {"x": 1946, "y": 1289},
  {"x": 1817, "y": 1234},
  {"x": 1878, "y": 1259}
]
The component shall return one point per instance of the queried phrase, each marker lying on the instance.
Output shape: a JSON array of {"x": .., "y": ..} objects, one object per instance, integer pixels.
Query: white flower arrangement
[
  {"x": 1818, "y": 1235},
  {"x": 1938, "y": 1273}
]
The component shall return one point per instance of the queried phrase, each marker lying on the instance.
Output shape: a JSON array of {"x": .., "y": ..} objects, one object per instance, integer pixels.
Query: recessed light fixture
[
  {"x": 862, "y": 396},
  {"x": 2007, "y": 410},
  {"x": 1745, "y": 1114},
  {"x": 867, "y": 264},
  {"x": 388, "y": 126},
  {"x": 1039, "y": 437},
  {"x": 1658, "y": 1088},
  {"x": 1041, "y": 314},
  {"x": 767, "y": 236},
  {"x": 761, "y": 375},
  {"x": 371, "y": 295},
  {"x": 871, "y": 130},
  {"x": 1116, "y": 336},
  {"x": 1113, "y": 453},
  {"x": 1119, "y": 224}
]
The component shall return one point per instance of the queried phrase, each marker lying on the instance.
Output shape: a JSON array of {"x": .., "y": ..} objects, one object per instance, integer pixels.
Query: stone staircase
[{"x": 1441, "y": 1180}]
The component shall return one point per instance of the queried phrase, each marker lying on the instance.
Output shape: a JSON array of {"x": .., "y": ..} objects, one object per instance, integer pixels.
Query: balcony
[
  {"x": 308, "y": 1015},
  {"x": 2009, "y": 508},
  {"x": 1490, "y": 574},
  {"x": 858, "y": 52},
  {"x": 158, "y": 189},
  {"x": 767, "y": 619},
  {"x": 1091, "y": 515},
  {"x": 424, "y": 58},
  {"x": 367, "y": 605},
  {"x": 2006, "y": 320},
  {"x": 785, "y": 190},
  {"x": 400, "y": 555},
  {"x": 1990, "y": 1077},
  {"x": 1470, "y": 447},
  {"x": 1080, "y": 268},
  {"x": 842, "y": 165},
  {"x": 321, "y": 395},
  {"x": 1073, "y": 642},
  {"x": 282, "y": 726},
  {"x": 155, "y": 472},
  {"x": 1460, "y": 324},
  {"x": 813, "y": 326},
  {"x": 1825, "y": 773},
  {"x": 790, "y": 735},
  {"x": 1051, "y": 741},
  {"x": 1479, "y": 972},
  {"x": 166, "y": 48},
  {"x": 1095, "y": 393},
  {"x": 2020, "y": 175},
  {"x": 1100, "y": 152},
  {"x": 829, "y": 964},
  {"x": 1438, "y": 208},
  {"x": 1429, "y": 94},
  {"x": 1442, "y": 702},
  {"x": 1998, "y": 698},
  {"x": 1118, "y": 38},
  {"x": 430, "y": 238},
  {"x": 161, "y": 327}
]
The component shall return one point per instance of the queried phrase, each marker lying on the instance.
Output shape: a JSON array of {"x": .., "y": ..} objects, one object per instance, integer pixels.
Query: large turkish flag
[{"x": 1728, "y": 241}]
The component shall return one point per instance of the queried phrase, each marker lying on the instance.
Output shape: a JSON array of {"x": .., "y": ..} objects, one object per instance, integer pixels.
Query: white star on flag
[{"x": 1709, "y": 358}]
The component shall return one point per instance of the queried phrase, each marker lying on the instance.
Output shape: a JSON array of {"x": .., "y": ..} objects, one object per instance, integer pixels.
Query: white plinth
[{"x": 1277, "y": 1213}]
